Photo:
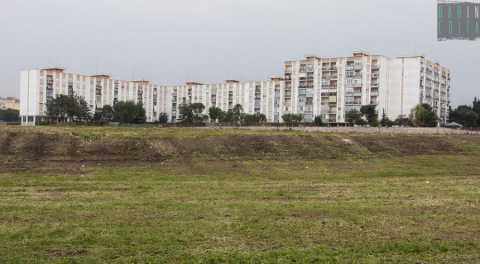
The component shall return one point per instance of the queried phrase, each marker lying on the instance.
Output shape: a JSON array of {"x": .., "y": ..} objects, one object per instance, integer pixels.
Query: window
[
  {"x": 303, "y": 68},
  {"x": 440, "y": 11},
  {"x": 459, "y": 11}
]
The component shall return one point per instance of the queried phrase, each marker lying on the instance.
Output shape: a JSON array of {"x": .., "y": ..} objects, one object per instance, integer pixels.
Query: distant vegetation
[
  {"x": 467, "y": 115},
  {"x": 74, "y": 109},
  {"x": 9, "y": 115}
]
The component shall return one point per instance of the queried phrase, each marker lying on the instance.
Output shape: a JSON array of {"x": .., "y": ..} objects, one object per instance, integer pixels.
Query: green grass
[{"x": 378, "y": 204}]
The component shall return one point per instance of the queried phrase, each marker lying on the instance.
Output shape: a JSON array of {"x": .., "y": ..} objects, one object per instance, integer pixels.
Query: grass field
[{"x": 230, "y": 196}]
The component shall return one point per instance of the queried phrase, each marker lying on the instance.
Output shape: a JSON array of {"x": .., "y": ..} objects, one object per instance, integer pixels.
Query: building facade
[
  {"x": 331, "y": 87},
  {"x": 313, "y": 86},
  {"x": 9, "y": 103}
]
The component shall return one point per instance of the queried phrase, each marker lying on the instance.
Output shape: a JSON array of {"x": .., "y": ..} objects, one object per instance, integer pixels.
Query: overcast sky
[{"x": 170, "y": 42}]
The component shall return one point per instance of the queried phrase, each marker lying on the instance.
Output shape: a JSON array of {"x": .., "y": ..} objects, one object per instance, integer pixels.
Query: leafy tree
[
  {"x": 105, "y": 114},
  {"x": 476, "y": 106},
  {"x": 402, "y": 121},
  {"x": 226, "y": 117},
  {"x": 354, "y": 117},
  {"x": 318, "y": 121},
  {"x": 423, "y": 116},
  {"x": 465, "y": 115},
  {"x": 192, "y": 113},
  {"x": 215, "y": 114},
  {"x": 186, "y": 114},
  {"x": 68, "y": 108},
  {"x": 141, "y": 116},
  {"x": 255, "y": 119},
  {"x": 57, "y": 107},
  {"x": 371, "y": 114},
  {"x": 83, "y": 111},
  {"x": 386, "y": 122},
  {"x": 237, "y": 111},
  {"x": 163, "y": 118},
  {"x": 129, "y": 113},
  {"x": 197, "y": 108},
  {"x": 292, "y": 119},
  {"x": 9, "y": 115}
]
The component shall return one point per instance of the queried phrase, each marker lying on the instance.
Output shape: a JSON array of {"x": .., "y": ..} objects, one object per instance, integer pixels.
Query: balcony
[
  {"x": 349, "y": 68},
  {"x": 357, "y": 84}
]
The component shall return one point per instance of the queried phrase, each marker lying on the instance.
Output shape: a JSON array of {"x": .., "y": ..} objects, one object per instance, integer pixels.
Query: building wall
[{"x": 9, "y": 103}]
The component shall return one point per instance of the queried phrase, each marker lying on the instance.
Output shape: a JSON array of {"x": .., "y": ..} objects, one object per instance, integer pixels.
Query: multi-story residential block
[
  {"x": 9, "y": 103},
  {"x": 331, "y": 87},
  {"x": 313, "y": 86},
  {"x": 38, "y": 86},
  {"x": 254, "y": 96}
]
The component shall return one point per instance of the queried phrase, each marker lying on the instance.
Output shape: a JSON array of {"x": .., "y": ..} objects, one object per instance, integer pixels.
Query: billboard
[{"x": 458, "y": 20}]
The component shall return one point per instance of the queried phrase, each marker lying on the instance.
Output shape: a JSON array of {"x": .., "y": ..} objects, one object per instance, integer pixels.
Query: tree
[
  {"x": 198, "y": 116},
  {"x": 226, "y": 117},
  {"x": 57, "y": 108},
  {"x": 163, "y": 118},
  {"x": 107, "y": 113},
  {"x": 423, "y": 116},
  {"x": 465, "y": 115},
  {"x": 197, "y": 108},
  {"x": 402, "y": 121},
  {"x": 9, "y": 115},
  {"x": 255, "y": 119},
  {"x": 129, "y": 113},
  {"x": 292, "y": 119},
  {"x": 68, "y": 108},
  {"x": 104, "y": 114},
  {"x": 215, "y": 114},
  {"x": 186, "y": 114},
  {"x": 476, "y": 106},
  {"x": 354, "y": 117},
  {"x": 385, "y": 122},
  {"x": 192, "y": 113},
  {"x": 83, "y": 111},
  {"x": 371, "y": 114},
  {"x": 237, "y": 111},
  {"x": 318, "y": 121}
]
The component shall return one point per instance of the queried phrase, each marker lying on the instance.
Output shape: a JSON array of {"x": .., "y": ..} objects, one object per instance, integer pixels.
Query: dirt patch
[
  {"x": 407, "y": 145},
  {"x": 52, "y": 146}
]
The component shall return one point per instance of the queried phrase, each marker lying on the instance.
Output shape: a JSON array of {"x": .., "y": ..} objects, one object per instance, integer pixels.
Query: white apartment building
[
  {"x": 254, "y": 96},
  {"x": 38, "y": 86},
  {"x": 330, "y": 87},
  {"x": 314, "y": 86}
]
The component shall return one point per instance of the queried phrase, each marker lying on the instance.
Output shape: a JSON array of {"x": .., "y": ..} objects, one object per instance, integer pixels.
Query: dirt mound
[{"x": 157, "y": 145}]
